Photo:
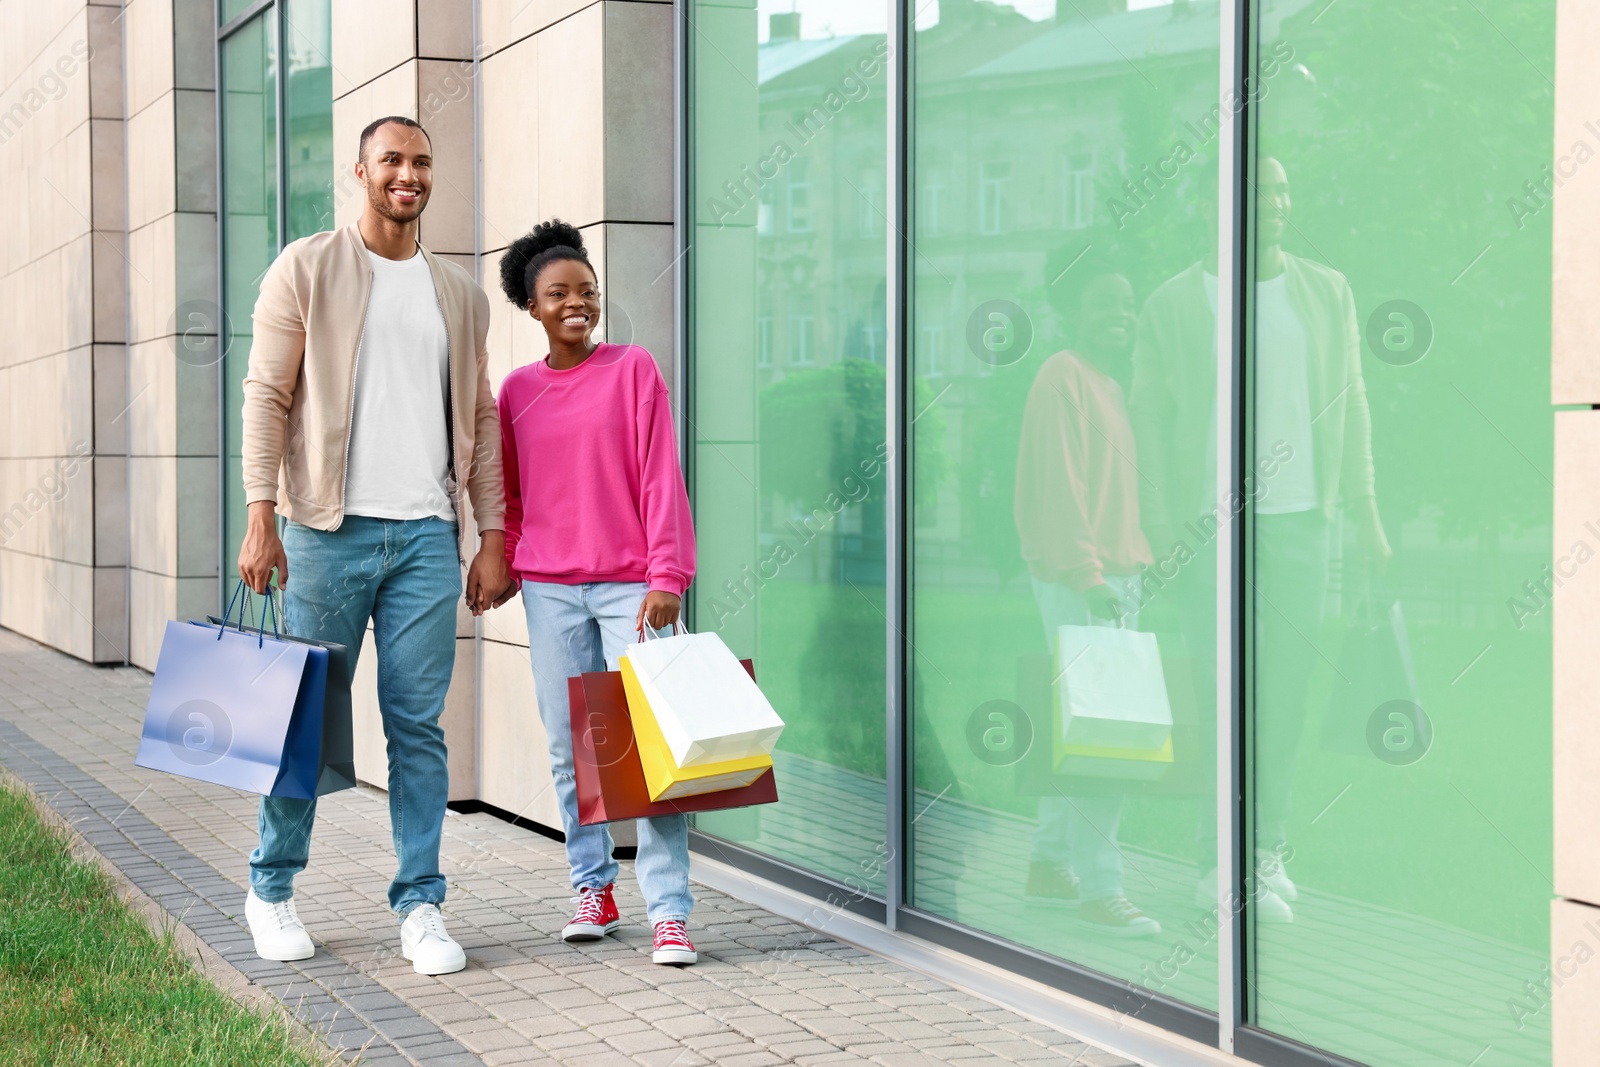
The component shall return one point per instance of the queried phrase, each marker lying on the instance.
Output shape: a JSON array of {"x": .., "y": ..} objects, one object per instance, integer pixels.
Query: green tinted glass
[
  {"x": 788, "y": 408},
  {"x": 228, "y": 10},
  {"x": 249, "y": 232},
  {"x": 308, "y": 124},
  {"x": 1063, "y": 646},
  {"x": 1400, "y": 532}
]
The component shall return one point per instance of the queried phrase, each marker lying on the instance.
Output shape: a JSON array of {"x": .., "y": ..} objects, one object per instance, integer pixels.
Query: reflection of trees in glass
[
  {"x": 1373, "y": 199},
  {"x": 823, "y": 434},
  {"x": 824, "y": 451}
]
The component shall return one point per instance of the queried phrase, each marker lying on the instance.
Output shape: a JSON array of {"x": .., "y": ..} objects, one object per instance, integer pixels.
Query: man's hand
[
  {"x": 262, "y": 549},
  {"x": 512, "y": 589},
  {"x": 489, "y": 575},
  {"x": 1103, "y": 601},
  {"x": 659, "y": 608}
]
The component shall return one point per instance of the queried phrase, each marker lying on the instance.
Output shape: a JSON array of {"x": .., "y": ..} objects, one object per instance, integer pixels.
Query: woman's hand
[
  {"x": 1104, "y": 603},
  {"x": 660, "y": 609}
]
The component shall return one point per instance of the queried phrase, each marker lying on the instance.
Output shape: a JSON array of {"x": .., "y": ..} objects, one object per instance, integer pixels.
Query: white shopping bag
[
  {"x": 1111, "y": 693},
  {"x": 706, "y": 704}
]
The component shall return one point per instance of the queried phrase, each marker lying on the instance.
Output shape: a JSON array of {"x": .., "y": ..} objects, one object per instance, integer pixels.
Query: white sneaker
[
  {"x": 425, "y": 943},
  {"x": 1266, "y": 903},
  {"x": 277, "y": 930},
  {"x": 1269, "y": 907},
  {"x": 1269, "y": 868}
]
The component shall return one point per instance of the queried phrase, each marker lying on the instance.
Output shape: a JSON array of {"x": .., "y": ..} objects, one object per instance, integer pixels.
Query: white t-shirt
[
  {"x": 1283, "y": 403},
  {"x": 399, "y": 437}
]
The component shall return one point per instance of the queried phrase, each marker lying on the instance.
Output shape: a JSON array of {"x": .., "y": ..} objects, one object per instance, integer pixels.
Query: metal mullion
[
  {"x": 280, "y": 29},
  {"x": 222, "y": 326},
  {"x": 239, "y": 21},
  {"x": 1231, "y": 262},
  {"x": 682, "y": 420},
  {"x": 897, "y": 82}
]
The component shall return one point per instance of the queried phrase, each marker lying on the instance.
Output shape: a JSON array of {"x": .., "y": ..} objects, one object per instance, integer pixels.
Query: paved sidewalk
[{"x": 765, "y": 992}]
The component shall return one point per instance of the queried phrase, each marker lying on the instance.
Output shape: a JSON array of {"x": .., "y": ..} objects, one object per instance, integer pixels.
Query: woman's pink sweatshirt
[{"x": 594, "y": 492}]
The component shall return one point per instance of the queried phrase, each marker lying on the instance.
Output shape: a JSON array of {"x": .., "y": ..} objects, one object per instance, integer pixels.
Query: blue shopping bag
[
  {"x": 338, "y": 732},
  {"x": 235, "y": 707}
]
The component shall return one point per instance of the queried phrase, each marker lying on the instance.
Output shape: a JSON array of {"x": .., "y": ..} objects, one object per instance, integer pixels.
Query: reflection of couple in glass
[{"x": 1084, "y": 534}]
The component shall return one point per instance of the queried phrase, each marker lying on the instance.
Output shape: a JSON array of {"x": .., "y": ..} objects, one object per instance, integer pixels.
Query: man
[
  {"x": 1313, "y": 455},
  {"x": 367, "y": 407}
]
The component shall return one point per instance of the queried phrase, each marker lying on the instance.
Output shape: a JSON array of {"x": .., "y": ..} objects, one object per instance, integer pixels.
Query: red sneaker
[
  {"x": 673, "y": 944},
  {"x": 597, "y": 915}
]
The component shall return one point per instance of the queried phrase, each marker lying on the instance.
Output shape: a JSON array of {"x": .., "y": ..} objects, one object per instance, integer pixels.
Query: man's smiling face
[{"x": 397, "y": 171}]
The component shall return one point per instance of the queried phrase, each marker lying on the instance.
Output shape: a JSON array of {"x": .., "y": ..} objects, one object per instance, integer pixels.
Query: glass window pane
[
  {"x": 1401, "y": 527},
  {"x": 308, "y": 126},
  {"x": 1064, "y": 189},
  {"x": 228, "y": 10},
  {"x": 789, "y": 403},
  {"x": 249, "y": 232}
]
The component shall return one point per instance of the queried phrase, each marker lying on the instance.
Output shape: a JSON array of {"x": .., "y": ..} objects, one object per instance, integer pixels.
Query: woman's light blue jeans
[
  {"x": 405, "y": 576},
  {"x": 573, "y": 629},
  {"x": 1083, "y": 829}
]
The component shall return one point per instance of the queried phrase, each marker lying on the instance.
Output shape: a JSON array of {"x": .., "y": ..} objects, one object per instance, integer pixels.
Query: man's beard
[{"x": 379, "y": 199}]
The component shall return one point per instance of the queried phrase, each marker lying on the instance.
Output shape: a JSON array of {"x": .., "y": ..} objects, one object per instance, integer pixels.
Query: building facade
[{"x": 939, "y": 291}]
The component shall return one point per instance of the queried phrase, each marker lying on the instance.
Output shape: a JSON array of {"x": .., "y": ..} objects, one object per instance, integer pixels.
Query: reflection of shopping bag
[
  {"x": 708, "y": 708},
  {"x": 606, "y": 768},
  {"x": 237, "y": 708},
  {"x": 664, "y": 779},
  {"x": 1113, "y": 719},
  {"x": 1374, "y": 668},
  {"x": 338, "y": 759}
]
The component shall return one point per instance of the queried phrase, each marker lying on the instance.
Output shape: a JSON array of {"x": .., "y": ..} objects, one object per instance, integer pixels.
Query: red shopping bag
[{"x": 606, "y": 762}]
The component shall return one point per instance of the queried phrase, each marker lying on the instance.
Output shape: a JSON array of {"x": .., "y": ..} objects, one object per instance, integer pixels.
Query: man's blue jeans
[
  {"x": 405, "y": 576},
  {"x": 578, "y": 628}
]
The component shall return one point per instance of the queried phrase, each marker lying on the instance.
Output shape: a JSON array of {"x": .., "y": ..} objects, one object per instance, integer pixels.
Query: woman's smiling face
[{"x": 566, "y": 301}]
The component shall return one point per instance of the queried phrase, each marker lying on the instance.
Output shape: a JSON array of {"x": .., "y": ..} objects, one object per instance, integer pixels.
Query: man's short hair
[{"x": 372, "y": 128}]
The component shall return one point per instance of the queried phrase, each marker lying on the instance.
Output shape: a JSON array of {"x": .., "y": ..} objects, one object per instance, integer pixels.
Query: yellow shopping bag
[{"x": 664, "y": 779}]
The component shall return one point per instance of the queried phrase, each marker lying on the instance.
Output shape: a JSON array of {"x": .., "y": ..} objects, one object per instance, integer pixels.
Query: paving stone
[
  {"x": 646, "y": 1040},
  {"x": 695, "y": 1025},
  {"x": 807, "y": 1046},
  {"x": 760, "y": 1058}
]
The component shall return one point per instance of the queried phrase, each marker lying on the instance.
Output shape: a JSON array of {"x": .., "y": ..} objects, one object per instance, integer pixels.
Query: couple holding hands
[{"x": 367, "y": 410}]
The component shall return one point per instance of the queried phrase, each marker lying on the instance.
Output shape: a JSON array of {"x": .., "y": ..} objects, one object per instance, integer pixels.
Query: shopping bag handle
[
  {"x": 650, "y": 633},
  {"x": 244, "y": 610},
  {"x": 226, "y": 615}
]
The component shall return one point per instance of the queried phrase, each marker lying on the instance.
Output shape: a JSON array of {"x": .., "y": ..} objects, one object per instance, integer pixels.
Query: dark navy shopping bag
[{"x": 237, "y": 707}]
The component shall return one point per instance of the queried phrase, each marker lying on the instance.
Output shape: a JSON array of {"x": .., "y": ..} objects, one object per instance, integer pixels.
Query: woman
[
  {"x": 604, "y": 545},
  {"x": 1077, "y": 514}
]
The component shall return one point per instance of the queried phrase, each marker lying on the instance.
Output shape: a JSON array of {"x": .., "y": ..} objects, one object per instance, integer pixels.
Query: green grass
[{"x": 83, "y": 980}]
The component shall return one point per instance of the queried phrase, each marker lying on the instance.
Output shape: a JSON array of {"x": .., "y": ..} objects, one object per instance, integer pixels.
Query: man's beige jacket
[
  {"x": 1174, "y": 396},
  {"x": 299, "y": 391}
]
